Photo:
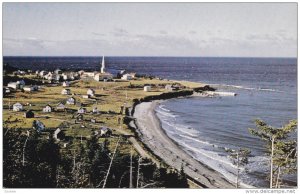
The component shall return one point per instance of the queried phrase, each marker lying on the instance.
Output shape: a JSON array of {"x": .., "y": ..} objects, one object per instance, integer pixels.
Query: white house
[
  {"x": 105, "y": 132},
  {"x": 66, "y": 84},
  {"x": 28, "y": 88},
  {"x": 65, "y": 76},
  {"x": 66, "y": 92},
  {"x": 147, "y": 88},
  {"x": 48, "y": 108},
  {"x": 127, "y": 77},
  {"x": 17, "y": 107},
  {"x": 81, "y": 110},
  {"x": 91, "y": 92},
  {"x": 71, "y": 100},
  {"x": 103, "y": 76},
  {"x": 13, "y": 85},
  {"x": 60, "y": 106},
  {"x": 57, "y": 71},
  {"x": 42, "y": 73},
  {"x": 86, "y": 96}
]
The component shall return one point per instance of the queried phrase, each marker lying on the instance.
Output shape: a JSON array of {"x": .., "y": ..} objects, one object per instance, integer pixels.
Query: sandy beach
[{"x": 151, "y": 133}]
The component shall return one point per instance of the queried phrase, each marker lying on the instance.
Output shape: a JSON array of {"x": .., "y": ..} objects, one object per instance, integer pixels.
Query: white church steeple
[{"x": 103, "y": 65}]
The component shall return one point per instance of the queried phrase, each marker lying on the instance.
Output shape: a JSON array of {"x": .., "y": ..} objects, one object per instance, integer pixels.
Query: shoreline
[{"x": 152, "y": 134}]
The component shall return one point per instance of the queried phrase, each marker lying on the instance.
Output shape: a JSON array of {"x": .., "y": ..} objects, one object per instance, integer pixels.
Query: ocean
[{"x": 206, "y": 127}]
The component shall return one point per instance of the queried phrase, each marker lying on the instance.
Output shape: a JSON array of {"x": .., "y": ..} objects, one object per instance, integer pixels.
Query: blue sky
[{"x": 156, "y": 29}]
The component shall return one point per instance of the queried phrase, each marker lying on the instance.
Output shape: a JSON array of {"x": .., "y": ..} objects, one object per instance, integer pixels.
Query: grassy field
[{"x": 109, "y": 97}]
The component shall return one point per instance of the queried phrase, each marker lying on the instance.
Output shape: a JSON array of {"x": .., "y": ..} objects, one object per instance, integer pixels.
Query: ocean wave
[
  {"x": 162, "y": 107},
  {"x": 246, "y": 88}
]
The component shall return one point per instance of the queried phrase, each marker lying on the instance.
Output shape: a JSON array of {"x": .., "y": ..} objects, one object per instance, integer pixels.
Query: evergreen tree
[{"x": 277, "y": 143}]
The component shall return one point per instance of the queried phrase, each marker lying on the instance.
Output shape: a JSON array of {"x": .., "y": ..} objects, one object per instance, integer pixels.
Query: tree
[
  {"x": 277, "y": 144},
  {"x": 240, "y": 158}
]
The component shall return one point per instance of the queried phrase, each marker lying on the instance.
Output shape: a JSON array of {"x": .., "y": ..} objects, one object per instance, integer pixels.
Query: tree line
[{"x": 33, "y": 161}]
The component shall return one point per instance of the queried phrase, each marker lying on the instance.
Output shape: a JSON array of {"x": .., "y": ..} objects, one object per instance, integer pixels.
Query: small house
[
  {"x": 127, "y": 77},
  {"x": 147, "y": 88},
  {"x": 103, "y": 77},
  {"x": 71, "y": 101},
  {"x": 81, "y": 110},
  {"x": 21, "y": 83},
  {"x": 105, "y": 132},
  {"x": 28, "y": 88},
  {"x": 86, "y": 96},
  {"x": 60, "y": 106},
  {"x": 65, "y": 76},
  {"x": 17, "y": 107},
  {"x": 66, "y": 92},
  {"x": 29, "y": 114},
  {"x": 38, "y": 125},
  {"x": 48, "y": 108},
  {"x": 42, "y": 73},
  {"x": 91, "y": 92},
  {"x": 13, "y": 85},
  {"x": 66, "y": 84},
  {"x": 58, "y": 134},
  {"x": 58, "y": 71}
]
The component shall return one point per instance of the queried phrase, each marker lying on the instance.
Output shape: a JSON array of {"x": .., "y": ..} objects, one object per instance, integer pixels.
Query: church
[{"x": 104, "y": 75}]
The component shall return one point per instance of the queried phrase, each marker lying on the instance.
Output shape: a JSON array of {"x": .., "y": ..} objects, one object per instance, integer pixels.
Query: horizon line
[{"x": 172, "y": 56}]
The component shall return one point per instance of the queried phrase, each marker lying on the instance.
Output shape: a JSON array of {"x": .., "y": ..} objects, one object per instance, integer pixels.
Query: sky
[{"x": 150, "y": 29}]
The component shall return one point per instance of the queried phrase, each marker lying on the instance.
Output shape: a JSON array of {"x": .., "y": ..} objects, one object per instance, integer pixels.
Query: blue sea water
[{"x": 207, "y": 127}]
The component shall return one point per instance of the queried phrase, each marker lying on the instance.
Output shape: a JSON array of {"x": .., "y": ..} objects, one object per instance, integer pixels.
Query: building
[
  {"x": 71, "y": 101},
  {"x": 42, "y": 73},
  {"x": 105, "y": 132},
  {"x": 29, "y": 114},
  {"x": 66, "y": 84},
  {"x": 58, "y": 134},
  {"x": 13, "y": 85},
  {"x": 103, "y": 77},
  {"x": 21, "y": 83},
  {"x": 127, "y": 76},
  {"x": 86, "y": 96},
  {"x": 66, "y": 92},
  {"x": 38, "y": 125},
  {"x": 48, "y": 108},
  {"x": 65, "y": 76},
  {"x": 58, "y": 71},
  {"x": 91, "y": 92},
  {"x": 17, "y": 107},
  {"x": 95, "y": 110},
  {"x": 81, "y": 110},
  {"x": 147, "y": 88},
  {"x": 60, "y": 106}
]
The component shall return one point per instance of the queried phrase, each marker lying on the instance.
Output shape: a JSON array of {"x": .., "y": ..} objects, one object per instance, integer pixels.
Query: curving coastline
[{"x": 153, "y": 136}]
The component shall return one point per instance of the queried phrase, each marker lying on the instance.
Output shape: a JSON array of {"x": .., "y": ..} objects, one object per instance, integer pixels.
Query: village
[{"x": 77, "y": 105}]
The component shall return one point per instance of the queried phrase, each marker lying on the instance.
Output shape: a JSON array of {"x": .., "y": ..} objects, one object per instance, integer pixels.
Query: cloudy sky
[{"x": 160, "y": 29}]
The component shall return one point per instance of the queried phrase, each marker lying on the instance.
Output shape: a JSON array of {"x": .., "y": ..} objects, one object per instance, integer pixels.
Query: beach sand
[{"x": 152, "y": 134}]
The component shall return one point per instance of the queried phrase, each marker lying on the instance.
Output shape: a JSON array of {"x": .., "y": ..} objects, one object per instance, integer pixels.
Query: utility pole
[
  {"x": 23, "y": 161},
  {"x": 112, "y": 158},
  {"x": 130, "y": 179}
]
